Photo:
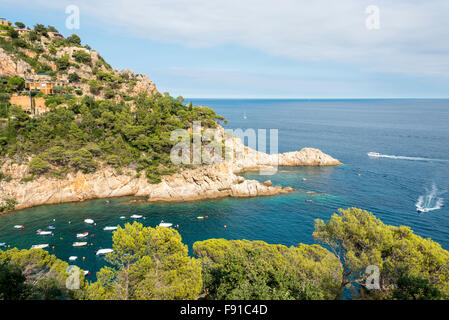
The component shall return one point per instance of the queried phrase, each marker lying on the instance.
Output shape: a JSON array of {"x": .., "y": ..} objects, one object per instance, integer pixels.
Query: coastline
[{"x": 201, "y": 183}]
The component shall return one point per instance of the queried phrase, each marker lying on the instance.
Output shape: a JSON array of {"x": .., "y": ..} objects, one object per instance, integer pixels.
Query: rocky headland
[{"x": 202, "y": 182}]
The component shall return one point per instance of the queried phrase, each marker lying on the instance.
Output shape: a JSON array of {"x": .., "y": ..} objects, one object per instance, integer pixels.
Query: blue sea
[{"x": 412, "y": 134}]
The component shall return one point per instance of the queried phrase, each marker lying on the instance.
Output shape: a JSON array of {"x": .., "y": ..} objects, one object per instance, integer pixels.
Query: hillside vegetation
[{"x": 98, "y": 120}]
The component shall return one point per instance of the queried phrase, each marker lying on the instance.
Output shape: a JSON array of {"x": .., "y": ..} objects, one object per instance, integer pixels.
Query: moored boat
[
  {"x": 43, "y": 233},
  {"x": 39, "y": 246},
  {"x": 82, "y": 235},
  {"x": 89, "y": 221},
  {"x": 165, "y": 224},
  {"x": 109, "y": 228},
  {"x": 104, "y": 251},
  {"x": 79, "y": 244}
]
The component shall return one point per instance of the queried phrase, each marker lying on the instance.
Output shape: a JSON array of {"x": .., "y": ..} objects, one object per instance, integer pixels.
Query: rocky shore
[{"x": 203, "y": 182}]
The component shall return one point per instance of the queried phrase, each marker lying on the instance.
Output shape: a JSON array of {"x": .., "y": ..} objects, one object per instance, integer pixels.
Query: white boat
[
  {"x": 73, "y": 258},
  {"x": 165, "y": 224},
  {"x": 136, "y": 216},
  {"x": 18, "y": 226},
  {"x": 104, "y": 251},
  {"x": 82, "y": 235},
  {"x": 39, "y": 246},
  {"x": 2, "y": 244},
  {"x": 86, "y": 272},
  {"x": 79, "y": 244},
  {"x": 122, "y": 217},
  {"x": 109, "y": 228},
  {"x": 89, "y": 221},
  {"x": 374, "y": 154},
  {"x": 200, "y": 217},
  {"x": 43, "y": 233}
]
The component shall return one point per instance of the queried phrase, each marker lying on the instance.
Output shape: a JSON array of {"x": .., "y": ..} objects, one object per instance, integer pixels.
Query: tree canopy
[{"x": 148, "y": 263}]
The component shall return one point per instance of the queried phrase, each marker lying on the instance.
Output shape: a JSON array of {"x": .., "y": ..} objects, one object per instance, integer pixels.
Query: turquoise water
[{"x": 346, "y": 129}]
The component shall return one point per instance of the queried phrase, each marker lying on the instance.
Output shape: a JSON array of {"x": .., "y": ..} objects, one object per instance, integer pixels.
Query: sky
[{"x": 264, "y": 48}]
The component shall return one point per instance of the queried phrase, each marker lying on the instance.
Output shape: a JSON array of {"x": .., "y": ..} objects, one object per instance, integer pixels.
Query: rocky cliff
[{"x": 203, "y": 182}]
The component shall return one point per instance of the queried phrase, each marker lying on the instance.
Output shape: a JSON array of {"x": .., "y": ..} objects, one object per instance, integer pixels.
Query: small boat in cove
[
  {"x": 109, "y": 228},
  {"x": 165, "y": 224},
  {"x": 51, "y": 227},
  {"x": 39, "y": 246},
  {"x": 104, "y": 251},
  {"x": 79, "y": 244},
  {"x": 18, "y": 226},
  {"x": 2, "y": 244},
  {"x": 136, "y": 216},
  {"x": 82, "y": 235},
  {"x": 73, "y": 258},
  {"x": 43, "y": 233},
  {"x": 89, "y": 221}
]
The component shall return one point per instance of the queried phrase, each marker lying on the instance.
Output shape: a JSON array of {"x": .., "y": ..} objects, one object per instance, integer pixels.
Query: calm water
[{"x": 346, "y": 129}]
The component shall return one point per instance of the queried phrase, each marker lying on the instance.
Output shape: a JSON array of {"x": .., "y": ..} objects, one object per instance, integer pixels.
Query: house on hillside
[
  {"x": 22, "y": 31},
  {"x": 4, "y": 22},
  {"x": 55, "y": 35},
  {"x": 44, "y": 83}
]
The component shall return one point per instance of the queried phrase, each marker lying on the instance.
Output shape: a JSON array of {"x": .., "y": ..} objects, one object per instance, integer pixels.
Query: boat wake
[
  {"x": 430, "y": 201},
  {"x": 379, "y": 155}
]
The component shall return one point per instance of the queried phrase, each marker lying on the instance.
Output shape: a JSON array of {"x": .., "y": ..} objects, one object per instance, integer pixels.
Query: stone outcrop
[
  {"x": 203, "y": 182},
  {"x": 9, "y": 67}
]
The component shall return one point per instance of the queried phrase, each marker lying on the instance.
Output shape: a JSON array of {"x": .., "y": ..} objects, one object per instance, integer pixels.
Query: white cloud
[{"x": 412, "y": 38}]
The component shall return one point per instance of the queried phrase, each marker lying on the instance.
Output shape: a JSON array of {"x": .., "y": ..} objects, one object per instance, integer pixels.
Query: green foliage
[
  {"x": 7, "y": 204},
  {"x": 74, "y": 77},
  {"x": 16, "y": 84},
  {"x": 38, "y": 166},
  {"x": 12, "y": 282},
  {"x": 52, "y": 29},
  {"x": 63, "y": 63},
  {"x": 81, "y": 56},
  {"x": 242, "y": 269},
  {"x": 73, "y": 40},
  {"x": 20, "y": 25},
  {"x": 411, "y": 287},
  {"x": 94, "y": 86},
  {"x": 41, "y": 29},
  {"x": 35, "y": 274},
  {"x": 359, "y": 240},
  {"x": 149, "y": 263},
  {"x": 13, "y": 34},
  {"x": 89, "y": 131}
]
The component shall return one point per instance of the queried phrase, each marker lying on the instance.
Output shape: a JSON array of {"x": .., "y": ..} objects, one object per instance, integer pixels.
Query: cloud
[{"x": 412, "y": 38}]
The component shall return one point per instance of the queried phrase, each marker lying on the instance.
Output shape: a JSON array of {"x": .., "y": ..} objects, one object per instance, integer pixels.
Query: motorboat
[
  {"x": 165, "y": 224},
  {"x": 89, "y": 221},
  {"x": 86, "y": 272},
  {"x": 43, "y": 233},
  {"x": 79, "y": 244},
  {"x": 82, "y": 235},
  {"x": 73, "y": 258},
  {"x": 200, "y": 217},
  {"x": 39, "y": 246},
  {"x": 123, "y": 217},
  {"x": 18, "y": 226},
  {"x": 2, "y": 244},
  {"x": 104, "y": 251},
  {"x": 136, "y": 216},
  {"x": 374, "y": 154},
  {"x": 51, "y": 227},
  {"x": 109, "y": 228}
]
